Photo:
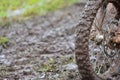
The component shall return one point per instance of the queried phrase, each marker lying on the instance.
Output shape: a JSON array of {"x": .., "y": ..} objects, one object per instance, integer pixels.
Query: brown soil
[{"x": 41, "y": 48}]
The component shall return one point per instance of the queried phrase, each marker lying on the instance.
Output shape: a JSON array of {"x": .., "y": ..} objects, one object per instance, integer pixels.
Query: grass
[
  {"x": 30, "y": 7},
  {"x": 3, "y": 40}
]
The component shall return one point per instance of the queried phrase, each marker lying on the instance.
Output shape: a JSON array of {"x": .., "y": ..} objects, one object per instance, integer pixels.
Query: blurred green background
[{"x": 10, "y": 8}]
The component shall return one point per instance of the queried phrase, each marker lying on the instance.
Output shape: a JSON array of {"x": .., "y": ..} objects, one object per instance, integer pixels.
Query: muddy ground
[{"x": 42, "y": 47}]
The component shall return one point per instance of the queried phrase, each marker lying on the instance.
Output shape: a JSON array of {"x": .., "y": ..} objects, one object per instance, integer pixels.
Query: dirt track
[{"x": 41, "y": 48}]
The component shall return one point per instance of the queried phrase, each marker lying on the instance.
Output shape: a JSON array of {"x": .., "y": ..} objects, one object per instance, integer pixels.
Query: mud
[{"x": 42, "y": 47}]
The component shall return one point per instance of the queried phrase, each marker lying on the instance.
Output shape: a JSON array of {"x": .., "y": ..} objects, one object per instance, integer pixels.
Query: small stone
[{"x": 71, "y": 66}]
